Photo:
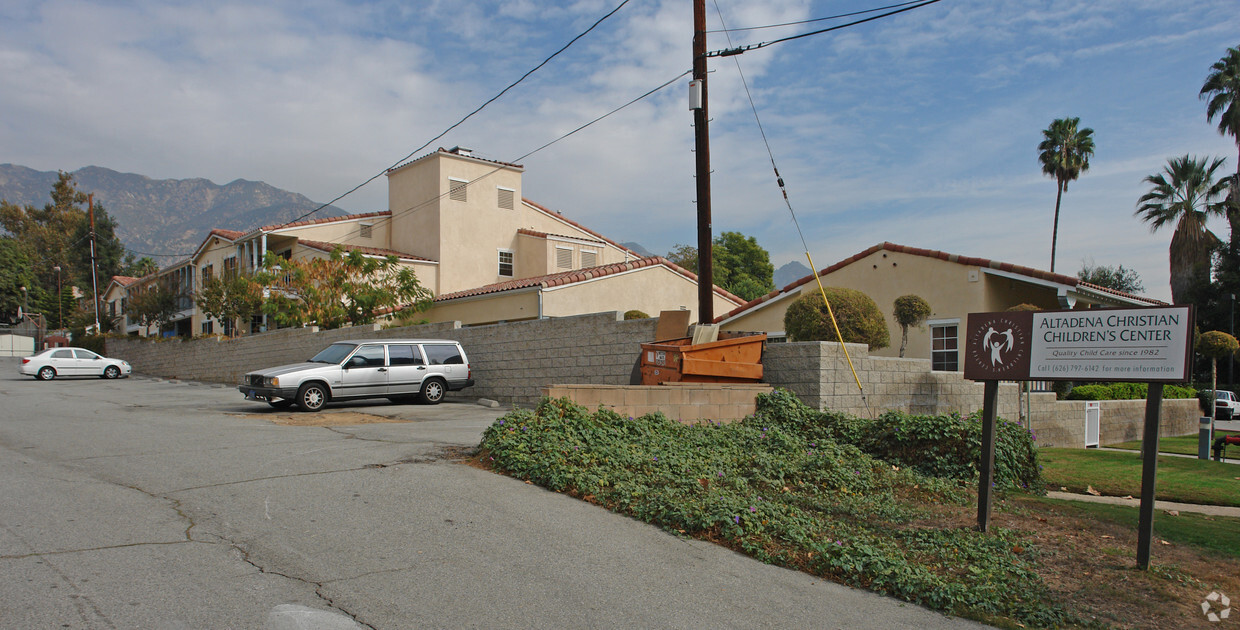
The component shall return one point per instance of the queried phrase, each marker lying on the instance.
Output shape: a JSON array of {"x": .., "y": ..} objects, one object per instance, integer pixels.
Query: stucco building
[
  {"x": 461, "y": 224},
  {"x": 953, "y": 285}
]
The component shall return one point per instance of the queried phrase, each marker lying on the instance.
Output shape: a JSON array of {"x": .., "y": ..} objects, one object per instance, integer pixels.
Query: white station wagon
[{"x": 400, "y": 370}]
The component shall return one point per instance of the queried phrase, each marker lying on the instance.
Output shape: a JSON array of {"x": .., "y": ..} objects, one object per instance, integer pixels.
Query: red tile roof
[
  {"x": 347, "y": 217},
  {"x": 579, "y": 275},
  {"x": 560, "y": 217},
  {"x": 231, "y": 235},
  {"x": 370, "y": 251},
  {"x": 537, "y": 234},
  {"x": 930, "y": 253}
]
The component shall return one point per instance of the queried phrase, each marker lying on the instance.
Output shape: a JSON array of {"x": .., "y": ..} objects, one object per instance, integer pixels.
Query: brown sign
[{"x": 1105, "y": 344}]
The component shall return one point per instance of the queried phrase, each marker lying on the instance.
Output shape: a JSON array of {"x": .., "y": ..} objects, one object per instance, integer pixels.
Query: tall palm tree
[
  {"x": 1185, "y": 193},
  {"x": 1221, "y": 91},
  {"x": 1065, "y": 152}
]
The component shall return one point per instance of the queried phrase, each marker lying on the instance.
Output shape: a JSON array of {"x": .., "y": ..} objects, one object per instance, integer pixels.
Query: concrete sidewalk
[{"x": 1212, "y": 510}]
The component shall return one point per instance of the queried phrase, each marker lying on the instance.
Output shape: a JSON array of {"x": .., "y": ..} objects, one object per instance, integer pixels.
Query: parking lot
[{"x": 141, "y": 503}]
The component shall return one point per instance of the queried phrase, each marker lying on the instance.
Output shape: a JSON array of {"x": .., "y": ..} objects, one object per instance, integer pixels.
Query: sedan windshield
[{"x": 334, "y": 353}]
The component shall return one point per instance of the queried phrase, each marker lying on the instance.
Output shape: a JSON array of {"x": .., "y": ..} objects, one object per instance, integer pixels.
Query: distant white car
[
  {"x": 53, "y": 362},
  {"x": 1226, "y": 407}
]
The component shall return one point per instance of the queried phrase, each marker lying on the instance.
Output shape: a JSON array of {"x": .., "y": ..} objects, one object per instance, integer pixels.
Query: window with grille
[
  {"x": 506, "y": 198},
  {"x": 588, "y": 258},
  {"x": 505, "y": 263},
  {"x": 944, "y": 349},
  {"x": 365, "y": 231},
  {"x": 457, "y": 189},
  {"x": 564, "y": 257}
]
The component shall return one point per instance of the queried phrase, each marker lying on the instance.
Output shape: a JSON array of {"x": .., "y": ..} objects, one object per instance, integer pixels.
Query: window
[
  {"x": 506, "y": 198},
  {"x": 444, "y": 354},
  {"x": 944, "y": 348},
  {"x": 208, "y": 327},
  {"x": 365, "y": 230},
  {"x": 457, "y": 189},
  {"x": 589, "y": 258},
  {"x": 564, "y": 257},
  {"x": 368, "y": 356},
  {"x": 230, "y": 267},
  {"x": 207, "y": 273},
  {"x": 505, "y": 263},
  {"x": 62, "y": 354},
  {"x": 404, "y": 355}
]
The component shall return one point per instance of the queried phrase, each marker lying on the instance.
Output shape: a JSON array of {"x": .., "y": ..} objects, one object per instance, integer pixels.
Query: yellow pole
[{"x": 836, "y": 326}]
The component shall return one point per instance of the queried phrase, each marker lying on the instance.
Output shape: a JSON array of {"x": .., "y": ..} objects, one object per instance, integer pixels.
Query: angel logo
[
  {"x": 997, "y": 346},
  {"x": 998, "y": 343}
]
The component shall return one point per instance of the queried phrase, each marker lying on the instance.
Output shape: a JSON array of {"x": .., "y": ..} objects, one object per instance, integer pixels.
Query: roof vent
[{"x": 462, "y": 151}]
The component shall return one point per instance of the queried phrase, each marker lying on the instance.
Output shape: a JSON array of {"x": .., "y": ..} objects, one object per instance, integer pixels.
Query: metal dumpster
[{"x": 728, "y": 360}]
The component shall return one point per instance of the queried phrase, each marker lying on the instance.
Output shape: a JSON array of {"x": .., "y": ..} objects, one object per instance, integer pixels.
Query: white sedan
[{"x": 53, "y": 362}]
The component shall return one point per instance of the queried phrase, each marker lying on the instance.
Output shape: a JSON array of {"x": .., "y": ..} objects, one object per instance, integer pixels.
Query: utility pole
[
  {"x": 706, "y": 276},
  {"x": 94, "y": 281}
]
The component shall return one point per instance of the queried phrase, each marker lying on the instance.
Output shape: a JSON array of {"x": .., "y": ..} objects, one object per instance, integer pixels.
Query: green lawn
[
  {"x": 1119, "y": 474},
  {"x": 1216, "y": 534},
  {"x": 1184, "y": 444}
]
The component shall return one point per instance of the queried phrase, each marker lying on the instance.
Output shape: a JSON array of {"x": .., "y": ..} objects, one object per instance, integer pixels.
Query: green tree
[
  {"x": 231, "y": 300},
  {"x": 344, "y": 289},
  {"x": 1216, "y": 345},
  {"x": 154, "y": 305},
  {"x": 110, "y": 256},
  {"x": 859, "y": 319},
  {"x": 1221, "y": 91},
  {"x": 1117, "y": 278},
  {"x": 739, "y": 263},
  {"x": 15, "y": 273},
  {"x": 1065, "y": 152},
  {"x": 1185, "y": 194},
  {"x": 910, "y": 310},
  {"x": 144, "y": 266}
]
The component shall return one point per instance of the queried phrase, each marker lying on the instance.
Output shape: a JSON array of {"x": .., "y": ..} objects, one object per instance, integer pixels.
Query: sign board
[{"x": 1105, "y": 344}]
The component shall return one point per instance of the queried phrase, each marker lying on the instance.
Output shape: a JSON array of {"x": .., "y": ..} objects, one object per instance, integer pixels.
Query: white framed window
[
  {"x": 457, "y": 189},
  {"x": 945, "y": 345},
  {"x": 563, "y": 257},
  {"x": 506, "y": 198},
  {"x": 589, "y": 258},
  {"x": 505, "y": 263}
]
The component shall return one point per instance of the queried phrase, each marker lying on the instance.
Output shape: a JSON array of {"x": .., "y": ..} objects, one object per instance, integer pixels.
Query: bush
[
  {"x": 858, "y": 317},
  {"x": 94, "y": 343},
  {"x": 635, "y": 314},
  {"x": 776, "y": 487},
  {"x": 1126, "y": 391}
]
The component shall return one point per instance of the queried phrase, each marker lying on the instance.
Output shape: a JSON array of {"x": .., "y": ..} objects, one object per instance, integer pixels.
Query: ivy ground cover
[{"x": 852, "y": 500}]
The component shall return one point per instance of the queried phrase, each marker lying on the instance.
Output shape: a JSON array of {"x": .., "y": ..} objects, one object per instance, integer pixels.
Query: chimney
[{"x": 462, "y": 151}]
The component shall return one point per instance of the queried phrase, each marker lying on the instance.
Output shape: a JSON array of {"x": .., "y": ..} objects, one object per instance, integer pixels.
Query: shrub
[
  {"x": 95, "y": 343},
  {"x": 635, "y": 314},
  {"x": 858, "y": 317},
  {"x": 1126, "y": 391}
]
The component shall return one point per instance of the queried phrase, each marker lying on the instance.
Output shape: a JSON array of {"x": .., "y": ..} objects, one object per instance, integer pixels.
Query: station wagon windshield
[{"x": 334, "y": 353}]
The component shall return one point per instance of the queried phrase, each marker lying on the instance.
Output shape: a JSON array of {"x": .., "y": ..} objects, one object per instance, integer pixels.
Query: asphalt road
[{"x": 142, "y": 503}]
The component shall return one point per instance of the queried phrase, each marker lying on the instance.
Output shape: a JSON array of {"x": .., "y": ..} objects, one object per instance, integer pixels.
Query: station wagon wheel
[
  {"x": 111, "y": 372},
  {"x": 311, "y": 397},
  {"x": 432, "y": 391},
  {"x": 46, "y": 373}
]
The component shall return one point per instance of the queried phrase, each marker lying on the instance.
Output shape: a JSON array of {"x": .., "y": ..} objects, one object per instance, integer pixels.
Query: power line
[
  {"x": 743, "y": 49},
  {"x": 467, "y": 116},
  {"x": 821, "y": 19}
]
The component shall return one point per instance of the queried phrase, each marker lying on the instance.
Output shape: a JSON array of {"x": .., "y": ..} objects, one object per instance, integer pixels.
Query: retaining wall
[{"x": 512, "y": 362}]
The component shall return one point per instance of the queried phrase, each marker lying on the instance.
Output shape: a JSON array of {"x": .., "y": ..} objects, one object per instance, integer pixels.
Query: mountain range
[{"x": 166, "y": 217}]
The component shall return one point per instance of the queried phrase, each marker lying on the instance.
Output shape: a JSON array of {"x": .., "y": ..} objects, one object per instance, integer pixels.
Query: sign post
[{"x": 1151, "y": 345}]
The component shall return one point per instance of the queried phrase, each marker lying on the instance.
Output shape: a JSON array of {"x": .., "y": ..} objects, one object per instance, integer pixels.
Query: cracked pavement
[{"x": 142, "y": 503}]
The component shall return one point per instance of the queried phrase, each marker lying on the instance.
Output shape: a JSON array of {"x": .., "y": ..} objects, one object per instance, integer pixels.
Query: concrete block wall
[
  {"x": 510, "y": 362},
  {"x": 683, "y": 402}
]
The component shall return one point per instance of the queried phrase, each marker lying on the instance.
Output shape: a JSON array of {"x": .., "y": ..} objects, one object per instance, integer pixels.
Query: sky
[{"x": 920, "y": 129}]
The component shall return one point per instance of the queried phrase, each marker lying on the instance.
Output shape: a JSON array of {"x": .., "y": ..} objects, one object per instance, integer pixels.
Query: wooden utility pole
[
  {"x": 706, "y": 277},
  {"x": 94, "y": 281}
]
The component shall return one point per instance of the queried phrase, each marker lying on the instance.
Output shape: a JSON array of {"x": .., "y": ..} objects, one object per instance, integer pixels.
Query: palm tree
[
  {"x": 1221, "y": 91},
  {"x": 1065, "y": 155},
  {"x": 1185, "y": 193}
]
